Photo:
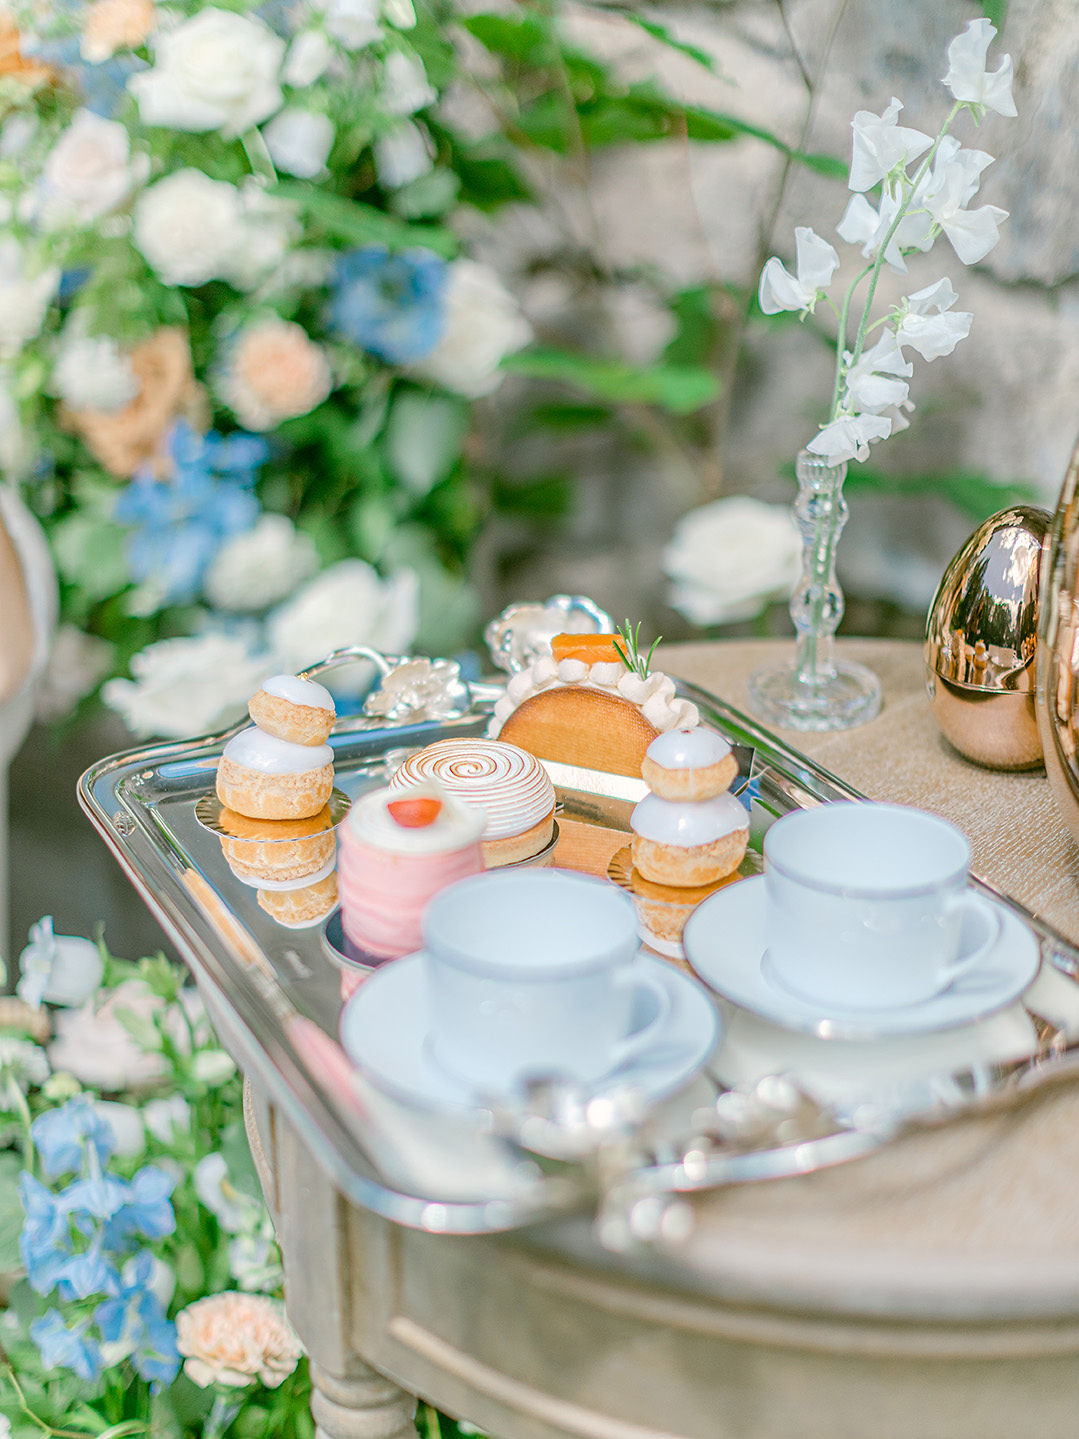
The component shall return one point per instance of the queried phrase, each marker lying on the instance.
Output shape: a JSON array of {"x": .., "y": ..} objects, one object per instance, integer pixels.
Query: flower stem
[
  {"x": 841, "y": 342},
  {"x": 220, "y": 1417},
  {"x": 901, "y": 214},
  {"x": 19, "y": 1104}
]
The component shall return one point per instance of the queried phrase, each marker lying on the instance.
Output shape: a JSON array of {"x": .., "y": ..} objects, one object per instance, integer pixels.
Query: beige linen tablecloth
[{"x": 979, "y": 1219}]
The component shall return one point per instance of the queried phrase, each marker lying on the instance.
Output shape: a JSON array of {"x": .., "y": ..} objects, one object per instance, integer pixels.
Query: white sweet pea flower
[
  {"x": 972, "y": 233},
  {"x": 234, "y": 1211},
  {"x": 405, "y": 87},
  {"x": 863, "y": 225},
  {"x": 91, "y": 371},
  {"x": 815, "y": 263},
  {"x": 402, "y": 154},
  {"x": 299, "y": 141},
  {"x": 880, "y": 145},
  {"x": 929, "y": 325},
  {"x": 57, "y": 968},
  {"x": 307, "y": 60},
  {"x": 874, "y": 384},
  {"x": 849, "y": 437},
  {"x": 967, "y": 77},
  {"x": 216, "y": 71}
]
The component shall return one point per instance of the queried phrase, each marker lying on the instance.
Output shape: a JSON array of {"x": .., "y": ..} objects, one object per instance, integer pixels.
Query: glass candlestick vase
[{"x": 813, "y": 690}]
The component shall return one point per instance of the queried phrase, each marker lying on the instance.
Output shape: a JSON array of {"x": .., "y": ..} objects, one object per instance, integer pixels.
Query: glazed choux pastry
[
  {"x": 267, "y": 778},
  {"x": 300, "y": 907},
  {"x": 688, "y": 843},
  {"x": 277, "y": 850},
  {"x": 691, "y": 764},
  {"x": 293, "y": 709}
]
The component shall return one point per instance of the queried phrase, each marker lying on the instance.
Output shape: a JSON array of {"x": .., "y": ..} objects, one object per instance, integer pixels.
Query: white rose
[
  {"x": 261, "y": 566},
  {"x": 402, "y": 155},
  {"x": 308, "y": 56},
  {"x": 92, "y": 372},
  {"x": 405, "y": 87},
  {"x": 729, "y": 558},
  {"x": 190, "y": 228},
  {"x": 26, "y": 291},
  {"x": 187, "y": 686},
  {"x": 90, "y": 171},
  {"x": 348, "y": 604},
  {"x": 299, "y": 141},
  {"x": 93, "y": 1045},
  {"x": 352, "y": 23},
  {"x": 216, "y": 71},
  {"x": 483, "y": 323}
]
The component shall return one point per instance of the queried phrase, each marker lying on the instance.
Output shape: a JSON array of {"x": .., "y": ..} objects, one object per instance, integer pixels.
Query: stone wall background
[{"x": 1005, "y": 403}]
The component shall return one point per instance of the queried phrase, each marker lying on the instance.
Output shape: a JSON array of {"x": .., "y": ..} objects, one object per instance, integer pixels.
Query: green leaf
[
  {"x": 975, "y": 495},
  {"x": 681, "y": 389},
  {"x": 11, "y": 1211},
  {"x": 89, "y": 553},
  {"x": 523, "y": 38},
  {"x": 370, "y": 523},
  {"x": 432, "y": 194},
  {"x": 568, "y": 418},
  {"x": 995, "y": 11},
  {"x": 355, "y": 223},
  {"x": 546, "y": 497},
  {"x": 448, "y": 604},
  {"x": 424, "y": 437},
  {"x": 664, "y": 36},
  {"x": 488, "y": 181},
  {"x": 697, "y": 337}
]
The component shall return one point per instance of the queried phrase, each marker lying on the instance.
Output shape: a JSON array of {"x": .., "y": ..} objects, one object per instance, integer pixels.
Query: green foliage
[
  {"x": 994, "y": 11},
  {"x": 974, "y": 495},
  {"x": 679, "y": 389}
]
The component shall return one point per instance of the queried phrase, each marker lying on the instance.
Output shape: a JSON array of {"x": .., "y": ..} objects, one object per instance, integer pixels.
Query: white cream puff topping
[
  {"x": 686, "y": 823},
  {"x": 254, "y": 749},
  {"x": 683, "y": 748},
  {"x": 299, "y": 692}
]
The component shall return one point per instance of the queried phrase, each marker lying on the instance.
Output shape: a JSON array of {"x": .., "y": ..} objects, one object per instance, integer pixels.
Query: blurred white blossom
[{"x": 728, "y": 559}]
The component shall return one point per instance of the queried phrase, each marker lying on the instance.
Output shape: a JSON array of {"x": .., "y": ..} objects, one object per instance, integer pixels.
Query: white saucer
[
  {"x": 724, "y": 942},
  {"x": 385, "y": 1026}
]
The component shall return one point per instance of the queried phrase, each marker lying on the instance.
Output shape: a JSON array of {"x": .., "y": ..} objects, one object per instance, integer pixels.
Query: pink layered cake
[{"x": 397, "y": 849}]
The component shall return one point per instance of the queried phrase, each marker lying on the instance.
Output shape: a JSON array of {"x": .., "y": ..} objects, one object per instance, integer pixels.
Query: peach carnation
[
  {"x": 235, "y": 1338},
  {"x": 112, "y": 25},
  {"x": 126, "y": 438},
  {"x": 274, "y": 372}
]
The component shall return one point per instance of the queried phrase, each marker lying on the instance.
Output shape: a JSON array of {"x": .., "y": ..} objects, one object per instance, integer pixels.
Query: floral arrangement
[
  {"x": 237, "y": 347},
  {"x": 870, "y": 398},
  {"x": 138, "y": 1264}
]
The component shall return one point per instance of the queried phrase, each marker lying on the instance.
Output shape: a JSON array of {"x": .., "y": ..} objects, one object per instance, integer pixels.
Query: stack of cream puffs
[
  {"x": 274, "y": 780},
  {"x": 690, "y": 834}
]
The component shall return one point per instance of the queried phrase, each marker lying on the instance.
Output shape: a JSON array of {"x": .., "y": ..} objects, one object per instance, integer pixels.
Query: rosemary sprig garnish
[{"x": 631, "y": 656}]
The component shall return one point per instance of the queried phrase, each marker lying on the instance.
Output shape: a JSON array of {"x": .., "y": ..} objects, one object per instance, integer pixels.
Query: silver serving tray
[{"x": 275, "y": 994}]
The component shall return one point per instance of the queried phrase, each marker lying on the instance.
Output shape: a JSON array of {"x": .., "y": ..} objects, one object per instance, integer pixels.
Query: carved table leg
[{"x": 360, "y": 1405}]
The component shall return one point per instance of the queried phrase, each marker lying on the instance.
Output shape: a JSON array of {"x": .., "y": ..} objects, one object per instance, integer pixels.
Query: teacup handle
[
  {"x": 637, "y": 977},
  {"x": 957, "y": 968}
]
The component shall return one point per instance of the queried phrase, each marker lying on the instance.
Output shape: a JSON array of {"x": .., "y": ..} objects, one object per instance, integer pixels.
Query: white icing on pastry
[
  {"x": 688, "y": 822},
  {"x": 694, "y": 748},
  {"x": 654, "y": 696},
  {"x": 256, "y": 750},
  {"x": 456, "y": 825},
  {"x": 299, "y": 692},
  {"x": 508, "y": 783}
]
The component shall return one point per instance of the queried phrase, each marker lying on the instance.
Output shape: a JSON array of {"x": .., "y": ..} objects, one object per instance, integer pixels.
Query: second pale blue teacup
[{"x": 865, "y": 904}]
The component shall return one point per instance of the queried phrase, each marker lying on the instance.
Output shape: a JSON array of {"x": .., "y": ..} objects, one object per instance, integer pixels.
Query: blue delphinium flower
[
  {"x": 64, "y": 1348},
  {"x": 63, "y": 1136},
  {"x": 392, "y": 305},
  {"x": 181, "y": 521},
  {"x": 44, "y": 1242},
  {"x": 146, "y": 1209},
  {"x": 135, "y": 1326}
]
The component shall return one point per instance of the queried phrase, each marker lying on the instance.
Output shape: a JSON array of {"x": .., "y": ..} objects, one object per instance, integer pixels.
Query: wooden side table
[{"x": 931, "y": 1290}]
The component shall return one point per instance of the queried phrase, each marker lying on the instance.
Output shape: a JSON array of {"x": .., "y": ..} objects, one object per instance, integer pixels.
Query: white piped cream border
[{"x": 655, "y": 696}]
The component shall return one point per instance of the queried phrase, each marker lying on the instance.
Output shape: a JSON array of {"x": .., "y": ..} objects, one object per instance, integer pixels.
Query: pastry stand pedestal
[{"x": 930, "y": 1291}]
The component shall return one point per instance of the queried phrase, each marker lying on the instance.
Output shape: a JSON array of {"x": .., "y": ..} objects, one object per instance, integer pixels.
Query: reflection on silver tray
[
  {"x": 208, "y": 811},
  {"x": 276, "y": 997}
]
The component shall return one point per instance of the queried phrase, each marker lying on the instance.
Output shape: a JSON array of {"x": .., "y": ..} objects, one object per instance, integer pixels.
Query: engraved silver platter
[{"x": 276, "y": 997}]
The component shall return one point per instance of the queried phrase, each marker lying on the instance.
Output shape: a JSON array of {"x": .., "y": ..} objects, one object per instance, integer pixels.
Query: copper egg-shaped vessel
[
  {"x": 1058, "y": 651},
  {"x": 982, "y": 638}
]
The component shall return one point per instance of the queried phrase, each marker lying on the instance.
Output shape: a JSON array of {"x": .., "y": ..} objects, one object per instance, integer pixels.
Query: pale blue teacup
[{"x": 537, "y": 974}]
